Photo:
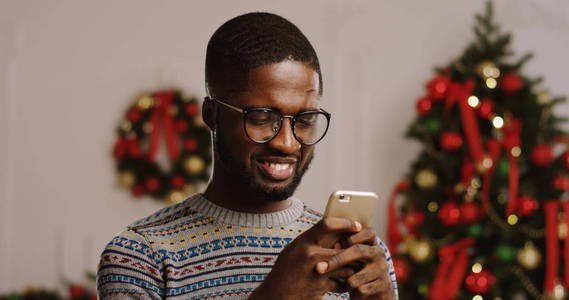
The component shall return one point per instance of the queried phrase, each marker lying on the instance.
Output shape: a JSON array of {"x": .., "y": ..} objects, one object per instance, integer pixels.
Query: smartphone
[{"x": 353, "y": 205}]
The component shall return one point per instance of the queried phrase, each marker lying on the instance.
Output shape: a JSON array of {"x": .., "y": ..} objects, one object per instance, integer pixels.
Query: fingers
[
  {"x": 321, "y": 267},
  {"x": 329, "y": 230},
  {"x": 331, "y": 224},
  {"x": 371, "y": 272},
  {"x": 378, "y": 289},
  {"x": 358, "y": 252},
  {"x": 366, "y": 236},
  {"x": 339, "y": 279},
  {"x": 372, "y": 280}
]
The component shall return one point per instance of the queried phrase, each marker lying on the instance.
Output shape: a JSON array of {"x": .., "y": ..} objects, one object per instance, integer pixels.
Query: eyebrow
[{"x": 276, "y": 109}]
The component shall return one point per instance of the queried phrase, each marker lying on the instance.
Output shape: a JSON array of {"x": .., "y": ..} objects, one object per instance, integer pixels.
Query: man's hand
[
  {"x": 297, "y": 274},
  {"x": 372, "y": 281}
]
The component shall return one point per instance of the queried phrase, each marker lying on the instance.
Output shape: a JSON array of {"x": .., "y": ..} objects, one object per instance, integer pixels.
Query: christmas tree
[{"x": 483, "y": 211}]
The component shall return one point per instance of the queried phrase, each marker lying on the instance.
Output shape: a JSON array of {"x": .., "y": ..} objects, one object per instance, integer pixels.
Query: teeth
[{"x": 278, "y": 167}]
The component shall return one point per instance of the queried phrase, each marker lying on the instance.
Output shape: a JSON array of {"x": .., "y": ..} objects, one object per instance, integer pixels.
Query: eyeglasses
[{"x": 263, "y": 124}]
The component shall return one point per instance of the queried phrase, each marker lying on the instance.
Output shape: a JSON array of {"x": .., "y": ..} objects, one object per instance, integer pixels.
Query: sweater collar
[{"x": 226, "y": 216}]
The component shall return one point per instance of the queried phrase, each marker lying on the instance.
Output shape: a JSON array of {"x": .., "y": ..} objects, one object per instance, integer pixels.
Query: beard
[{"x": 247, "y": 178}]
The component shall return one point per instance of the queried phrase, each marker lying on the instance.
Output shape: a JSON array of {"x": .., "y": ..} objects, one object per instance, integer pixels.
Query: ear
[{"x": 209, "y": 113}]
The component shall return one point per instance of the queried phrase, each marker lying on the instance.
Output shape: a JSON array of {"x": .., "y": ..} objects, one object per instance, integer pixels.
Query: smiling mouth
[{"x": 277, "y": 170}]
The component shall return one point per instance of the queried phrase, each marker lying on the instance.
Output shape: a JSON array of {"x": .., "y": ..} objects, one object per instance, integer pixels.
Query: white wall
[{"x": 68, "y": 69}]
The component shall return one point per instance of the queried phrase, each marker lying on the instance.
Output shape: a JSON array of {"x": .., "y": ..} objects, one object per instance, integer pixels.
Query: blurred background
[{"x": 70, "y": 69}]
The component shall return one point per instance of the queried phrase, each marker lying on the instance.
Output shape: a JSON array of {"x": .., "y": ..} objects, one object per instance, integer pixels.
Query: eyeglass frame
[{"x": 245, "y": 111}]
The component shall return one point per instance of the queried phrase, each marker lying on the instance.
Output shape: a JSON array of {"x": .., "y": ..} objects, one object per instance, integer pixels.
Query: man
[{"x": 245, "y": 237}]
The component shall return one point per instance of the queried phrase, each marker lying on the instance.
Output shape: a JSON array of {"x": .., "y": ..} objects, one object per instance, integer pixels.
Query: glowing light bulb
[
  {"x": 476, "y": 268},
  {"x": 498, "y": 122},
  {"x": 473, "y": 101},
  {"x": 491, "y": 83}
]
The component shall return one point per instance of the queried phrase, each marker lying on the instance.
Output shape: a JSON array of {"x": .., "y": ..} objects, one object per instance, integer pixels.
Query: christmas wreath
[{"x": 163, "y": 116}]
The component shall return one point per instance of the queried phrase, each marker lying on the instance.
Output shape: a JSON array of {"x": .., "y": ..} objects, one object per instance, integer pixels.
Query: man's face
[{"x": 273, "y": 170}]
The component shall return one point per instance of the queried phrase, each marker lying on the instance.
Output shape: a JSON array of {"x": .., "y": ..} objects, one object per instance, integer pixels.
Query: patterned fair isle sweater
[{"x": 198, "y": 250}]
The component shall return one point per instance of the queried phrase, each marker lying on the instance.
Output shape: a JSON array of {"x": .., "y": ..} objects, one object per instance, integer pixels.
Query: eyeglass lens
[{"x": 261, "y": 126}]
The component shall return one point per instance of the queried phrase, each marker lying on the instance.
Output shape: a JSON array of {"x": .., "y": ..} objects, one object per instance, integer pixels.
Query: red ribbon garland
[
  {"x": 552, "y": 246},
  {"x": 394, "y": 236},
  {"x": 162, "y": 113},
  {"x": 512, "y": 133},
  {"x": 470, "y": 122},
  {"x": 494, "y": 152},
  {"x": 565, "y": 205},
  {"x": 551, "y": 209},
  {"x": 512, "y": 138},
  {"x": 466, "y": 172},
  {"x": 451, "y": 270}
]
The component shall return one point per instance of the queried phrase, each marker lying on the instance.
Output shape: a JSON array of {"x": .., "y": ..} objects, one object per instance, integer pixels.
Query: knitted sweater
[{"x": 199, "y": 250}]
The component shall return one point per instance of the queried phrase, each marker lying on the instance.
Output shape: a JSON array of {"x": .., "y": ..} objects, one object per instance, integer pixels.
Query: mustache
[{"x": 276, "y": 155}]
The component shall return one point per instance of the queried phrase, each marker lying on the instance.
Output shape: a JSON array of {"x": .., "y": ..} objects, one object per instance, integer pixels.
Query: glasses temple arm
[{"x": 228, "y": 105}]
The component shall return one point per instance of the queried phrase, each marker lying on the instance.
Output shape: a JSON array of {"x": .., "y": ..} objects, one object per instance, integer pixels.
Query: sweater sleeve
[
  {"x": 390, "y": 268},
  {"x": 129, "y": 269}
]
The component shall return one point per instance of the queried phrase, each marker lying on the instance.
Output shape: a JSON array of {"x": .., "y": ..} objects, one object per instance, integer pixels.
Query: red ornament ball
[
  {"x": 565, "y": 160},
  {"x": 152, "y": 184},
  {"x": 450, "y": 140},
  {"x": 561, "y": 182},
  {"x": 424, "y": 106},
  {"x": 469, "y": 212},
  {"x": 413, "y": 219},
  {"x": 191, "y": 145},
  {"x": 438, "y": 87},
  {"x": 77, "y": 291},
  {"x": 177, "y": 181},
  {"x": 134, "y": 148},
  {"x": 133, "y": 115},
  {"x": 192, "y": 109},
  {"x": 511, "y": 83},
  {"x": 480, "y": 283},
  {"x": 527, "y": 205},
  {"x": 449, "y": 213},
  {"x": 120, "y": 149},
  {"x": 542, "y": 155},
  {"x": 403, "y": 185},
  {"x": 181, "y": 125},
  {"x": 486, "y": 108},
  {"x": 402, "y": 269},
  {"x": 137, "y": 190}
]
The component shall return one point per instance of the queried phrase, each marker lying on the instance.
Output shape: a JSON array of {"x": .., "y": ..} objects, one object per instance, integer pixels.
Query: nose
[{"x": 285, "y": 141}]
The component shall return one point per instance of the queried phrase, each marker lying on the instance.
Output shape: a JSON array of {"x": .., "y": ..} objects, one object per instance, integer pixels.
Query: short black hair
[{"x": 249, "y": 41}]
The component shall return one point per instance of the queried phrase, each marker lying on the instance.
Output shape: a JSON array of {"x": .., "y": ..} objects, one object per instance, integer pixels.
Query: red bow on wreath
[{"x": 162, "y": 115}]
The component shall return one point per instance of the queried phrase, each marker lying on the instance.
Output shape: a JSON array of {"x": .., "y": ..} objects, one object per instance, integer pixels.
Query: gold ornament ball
[
  {"x": 543, "y": 97},
  {"x": 144, "y": 102},
  {"x": 529, "y": 256},
  {"x": 488, "y": 69},
  {"x": 562, "y": 231},
  {"x": 426, "y": 179},
  {"x": 199, "y": 122},
  {"x": 190, "y": 189},
  {"x": 125, "y": 125},
  {"x": 126, "y": 179},
  {"x": 175, "y": 196},
  {"x": 419, "y": 250},
  {"x": 459, "y": 188},
  {"x": 194, "y": 165}
]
